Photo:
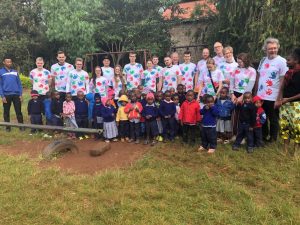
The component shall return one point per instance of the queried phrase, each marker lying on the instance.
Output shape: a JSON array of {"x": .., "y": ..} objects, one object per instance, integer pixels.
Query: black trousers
[
  {"x": 271, "y": 126},
  {"x": 243, "y": 131},
  {"x": 258, "y": 139},
  {"x": 15, "y": 99},
  {"x": 209, "y": 137},
  {"x": 151, "y": 128},
  {"x": 82, "y": 122},
  {"x": 189, "y": 132},
  {"x": 36, "y": 119},
  {"x": 134, "y": 130},
  {"x": 169, "y": 128},
  {"x": 123, "y": 128}
]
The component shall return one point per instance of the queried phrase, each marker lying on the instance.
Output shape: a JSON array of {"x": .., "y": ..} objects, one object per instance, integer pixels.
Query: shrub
[{"x": 25, "y": 80}]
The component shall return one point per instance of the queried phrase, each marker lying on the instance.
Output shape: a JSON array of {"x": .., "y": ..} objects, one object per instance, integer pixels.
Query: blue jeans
[
  {"x": 209, "y": 137},
  {"x": 244, "y": 132}
]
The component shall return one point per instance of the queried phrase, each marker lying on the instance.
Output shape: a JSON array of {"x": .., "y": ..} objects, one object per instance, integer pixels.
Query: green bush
[{"x": 25, "y": 80}]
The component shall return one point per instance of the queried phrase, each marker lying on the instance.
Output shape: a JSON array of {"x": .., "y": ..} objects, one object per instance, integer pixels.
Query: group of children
[{"x": 152, "y": 117}]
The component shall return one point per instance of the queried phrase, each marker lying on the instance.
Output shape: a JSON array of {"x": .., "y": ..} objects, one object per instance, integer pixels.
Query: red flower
[
  {"x": 269, "y": 83},
  {"x": 267, "y": 65},
  {"x": 269, "y": 92}
]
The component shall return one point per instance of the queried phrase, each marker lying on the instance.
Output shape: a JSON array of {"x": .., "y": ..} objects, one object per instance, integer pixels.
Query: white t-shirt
[
  {"x": 201, "y": 65},
  {"x": 60, "y": 72},
  {"x": 208, "y": 88},
  {"x": 241, "y": 79},
  {"x": 100, "y": 86},
  {"x": 133, "y": 73},
  {"x": 270, "y": 72},
  {"x": 40, "y": 80},
  {"x": 228, "y": 70},
  {"x": 188, "y": 72},
  {"x": 77, "y": 81},
  {"x": 108, "y": 73},
  {"x": 219, "y": 60},
  {"x": 169, "y": 75}
]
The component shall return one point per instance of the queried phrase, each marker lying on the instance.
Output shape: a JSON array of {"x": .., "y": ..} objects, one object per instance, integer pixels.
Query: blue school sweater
[
  {"x": 167, "y": 109},
  {"x": 97, "y": 110},
  {"x": 47, "y": 108},
  {"x": 35, "y": 107},
  {"x": 90, "y": 98},
  {"x": 81, "y": 108},
  {"x": 209, "y": 116},
  {"x": 108, "y": 114},
  {"x": 225, "y": 108},
  {"x": 150, "y": 110},
  {"x": 10, "y": 83}
]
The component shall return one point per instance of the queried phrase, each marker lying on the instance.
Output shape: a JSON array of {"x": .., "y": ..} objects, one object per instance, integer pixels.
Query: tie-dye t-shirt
[
  {"x": 108, "y": 73},
  {"x": 117, "y": 86},
  {"x": 219, "y": 60},
  {"x": 241, "y": 79},
  {"x": 188, "y": 72},
  {"x": 134, "y": 74},
  {"x": 101, "y": 86},
  {"x": 208, "y": 88},
  {"x": 228, "y": 70},
  {"x": 40, "y": 80},
  {"x": 150, "y": 77},
  {"x": 270, "y": 72},
  {"x": 77, "y": 81},
  {"x": 60, "y": 72},
  {"x": 169, "y": 76}
]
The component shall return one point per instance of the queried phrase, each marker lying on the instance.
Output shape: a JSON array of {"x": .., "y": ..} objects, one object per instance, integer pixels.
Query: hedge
[{"x": 25, "y": 80}]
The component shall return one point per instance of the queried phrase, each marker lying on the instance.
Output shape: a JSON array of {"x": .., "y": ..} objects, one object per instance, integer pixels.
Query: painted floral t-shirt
[
  {"x": 117, "y": 86},
  {"x": 108, "y": 73},
  {"x": 188, "y": 72},
  {"x": 40, "y": 80},
  {"x": 169, "y": 75},
  {"x": 270, "y": 72},
  {"x": 201, "y": 65},
  {"x": 219, "y": 60},
  {"x": 60, "y": 72},
  {"x": 150, "y": 77},
  {"x": 228, "y": 70},
  {"x": 134, "y": 74},
  {"x": 241, "y": 79},
  {"x": 208, "y": 88},
  {"x": 101, "y": 86},
  {"x": 158, "y": 68},
  {"x": 77, "y": 81}
]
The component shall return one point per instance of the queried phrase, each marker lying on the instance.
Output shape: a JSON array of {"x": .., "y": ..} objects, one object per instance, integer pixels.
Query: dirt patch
[{"x": 120, "y": 155}]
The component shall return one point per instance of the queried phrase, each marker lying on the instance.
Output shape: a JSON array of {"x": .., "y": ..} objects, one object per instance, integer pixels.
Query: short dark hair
[
  {"x": 7, "y": 57},
  {"x": 187, "y": 52},
  {"x": 60, "y": 52},
  {"x": 106, "y": 57},
  {"x": 245, "y": 57},
  {"x": 154, "y": 56},
  {"x": 132, "y": 53},
  {"x": 296, "y": 54},
  {"x": 209, "y": 97}
]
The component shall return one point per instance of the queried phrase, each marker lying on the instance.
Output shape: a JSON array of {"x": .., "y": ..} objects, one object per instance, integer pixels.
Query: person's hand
[
  {"x": 240, "y": 99},
  {"x": 233, "y": 98},
  {"x": 277, "y": 104},
  {"x": 4, "y": 100},
  {"x": 21, "y": 99}
]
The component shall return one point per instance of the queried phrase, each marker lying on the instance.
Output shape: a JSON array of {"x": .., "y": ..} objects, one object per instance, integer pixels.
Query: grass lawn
[{"x": 170, "y": 185}]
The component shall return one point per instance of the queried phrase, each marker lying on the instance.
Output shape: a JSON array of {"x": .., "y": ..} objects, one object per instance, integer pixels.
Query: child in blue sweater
[
  {"x": 225, "y": 107},
  {"x": 90, "y": 98},
  {"x": 47, "y": 108},
  {"x": 209, "y": 121},
  {"x": 35, "y": 110},
  {"x": 167, "y": 110},
  {"x": 150, "y": 113},
  {"x": 108, "y": 112},
  {"x": 97, "y": 116},
  {"x": 81, "y": 113}
]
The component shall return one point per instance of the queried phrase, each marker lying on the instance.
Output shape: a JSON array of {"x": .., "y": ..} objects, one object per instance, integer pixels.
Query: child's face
[
  {"x": 150, "y": 101},
  {"x": 168, "y": 97},
  {"x": 57, "y": 95},
  {"x": 80, "y": 96},
  {"x": 189, "y": 96},
  {"x": 172, "y": 90},
  {"x": 210, "y": 102},
  {"x": 180, "y": 89},
  {"x": 223, "y": 94},
  {"x": 159, "y": 96},
  {"x": 68, "y": 98},
  {"x": 258, "y": 104},
  {"x": 34, "y": 97},
  {"x": 247, "y": 99},
  {"x": 176, "y": 100},
  {"x": 133, "y": 98}
]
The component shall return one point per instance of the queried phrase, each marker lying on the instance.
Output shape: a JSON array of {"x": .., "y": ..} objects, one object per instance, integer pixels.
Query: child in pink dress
[{"x": 69, "y": 114}]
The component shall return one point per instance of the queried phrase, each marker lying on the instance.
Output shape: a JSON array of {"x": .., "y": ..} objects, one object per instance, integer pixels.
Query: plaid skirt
[
  {"x": 289, "y": 121},
  {"x": 110, "y": 130}
]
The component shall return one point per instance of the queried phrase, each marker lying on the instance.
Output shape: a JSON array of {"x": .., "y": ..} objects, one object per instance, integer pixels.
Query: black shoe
[
  {"x": 250, "y": 149},
  {"x": 235, "y": 148}
]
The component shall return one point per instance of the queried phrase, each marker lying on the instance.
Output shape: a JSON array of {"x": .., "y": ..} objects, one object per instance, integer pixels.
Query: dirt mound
[{"x": 120, "y": 155}]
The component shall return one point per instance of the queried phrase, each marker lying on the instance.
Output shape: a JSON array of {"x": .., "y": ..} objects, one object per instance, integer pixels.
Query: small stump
[{"x": 100, "y": 149}]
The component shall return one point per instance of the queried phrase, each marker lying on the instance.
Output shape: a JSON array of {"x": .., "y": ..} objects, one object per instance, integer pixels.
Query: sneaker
[
  {"x": 130, "y": 141},
  {"x": 211, "y": 151},
  {"x": 30, "y": 134},
  {"x": 226, "y": 142},
  {"x": 137, "y": 141},
  {"x": 146, "y": 142},
  {"x": 201, "y": 149},
  {"x": 115, "y": 140},
  {"x": 219, "y": 140},
  {"x": 107, "y": 141},
  {"x": 153, "y": 143},
  {"x": 235, "y": 148},
  {"x": 250, "y": 149},
  {"x": 160, "y": 138},
  {"x": 80, "y": 138},
  {"x": 243, "y": 141},
  {"x": 86, "y": 136}
]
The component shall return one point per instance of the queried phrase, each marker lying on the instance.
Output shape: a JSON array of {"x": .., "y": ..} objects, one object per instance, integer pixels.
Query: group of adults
[{"x": 208, "y": 76}]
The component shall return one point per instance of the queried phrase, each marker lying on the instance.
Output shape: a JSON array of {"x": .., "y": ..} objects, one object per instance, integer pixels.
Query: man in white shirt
[
  {"x": 108, "y": 72},
  {"x": 219, "y": 58}
]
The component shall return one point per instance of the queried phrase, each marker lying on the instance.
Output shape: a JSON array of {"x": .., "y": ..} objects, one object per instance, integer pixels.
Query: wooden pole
[{"x": 47, "y": 127}]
